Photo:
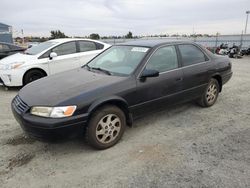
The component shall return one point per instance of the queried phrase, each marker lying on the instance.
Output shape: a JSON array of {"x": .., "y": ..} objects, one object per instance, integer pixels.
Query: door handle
[{"x": 179, "y": 79}]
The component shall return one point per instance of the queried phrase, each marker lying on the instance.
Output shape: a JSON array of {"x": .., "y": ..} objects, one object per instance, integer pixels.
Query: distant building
[{"x": 5, "y": 33}]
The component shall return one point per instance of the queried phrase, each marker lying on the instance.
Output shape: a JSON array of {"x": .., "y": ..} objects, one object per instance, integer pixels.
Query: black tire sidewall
[
  {"x": 96, "y": 117},
  {"x": 29, "y": 74}
]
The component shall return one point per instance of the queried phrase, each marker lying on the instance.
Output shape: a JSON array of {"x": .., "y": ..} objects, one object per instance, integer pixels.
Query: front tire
[
  {"x": 32, "y": 75},
  {"x": 210, "y": 95},
  {"x": 106, "y": 127}
]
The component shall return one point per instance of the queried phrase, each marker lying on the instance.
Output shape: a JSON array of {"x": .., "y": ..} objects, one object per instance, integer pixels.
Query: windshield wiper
[{"x": 100, "y": 69}]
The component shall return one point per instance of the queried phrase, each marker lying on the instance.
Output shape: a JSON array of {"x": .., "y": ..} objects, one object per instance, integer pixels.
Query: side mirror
[
  {"x": 149, "y": 73},
  {"x": 52, "y": 55}
]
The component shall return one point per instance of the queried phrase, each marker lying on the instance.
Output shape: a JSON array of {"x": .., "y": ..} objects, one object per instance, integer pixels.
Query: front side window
[
  {"x": 45, "y": 55},
  {"x": 119, "y": 60},
  {"x": 191, "y": 54},
  {"x": 65, "y": 49},
  {"x": 164, "y": 59},
  {"x": 86, "y": 46}
]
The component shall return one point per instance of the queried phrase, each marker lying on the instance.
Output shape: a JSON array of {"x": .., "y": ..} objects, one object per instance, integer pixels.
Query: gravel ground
[{"x": 182, "y": 146}]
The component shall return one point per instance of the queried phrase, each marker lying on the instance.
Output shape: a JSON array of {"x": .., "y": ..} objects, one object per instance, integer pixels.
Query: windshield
[
  {"x": 119, "y": 60},
  {"x": 34, "y": 50}
]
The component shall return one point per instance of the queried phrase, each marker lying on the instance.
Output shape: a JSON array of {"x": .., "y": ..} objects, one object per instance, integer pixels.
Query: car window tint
[
  {"x": 86, "y": 46},
  {"x": 163, "y": 59},
  {"x": 191, "y": 54},
  {"x": 99, "y": 45},
  {"x": 46, "y": 54},
  {"x": 64, "y": 49}
]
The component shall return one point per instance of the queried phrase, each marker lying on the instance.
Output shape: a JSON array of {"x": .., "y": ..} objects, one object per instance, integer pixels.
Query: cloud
[{"x": 117, "y": 17}]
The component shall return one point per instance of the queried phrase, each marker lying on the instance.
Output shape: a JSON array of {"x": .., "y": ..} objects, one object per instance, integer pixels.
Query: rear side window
[
  {"x": 190, "y": 54},
  {"x": 164, "y": 59},
  {"x": 65, "y": 49},
  {"x": 85, "y": 46}
]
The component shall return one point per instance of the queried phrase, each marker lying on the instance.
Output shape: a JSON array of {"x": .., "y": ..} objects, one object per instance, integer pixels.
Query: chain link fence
[{"x": 209, "y": 42}]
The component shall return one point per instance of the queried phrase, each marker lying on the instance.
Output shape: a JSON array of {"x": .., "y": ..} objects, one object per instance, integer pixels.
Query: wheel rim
[
  {"x": 211, "y": 93},
  {"x": 108, "y": 128}
]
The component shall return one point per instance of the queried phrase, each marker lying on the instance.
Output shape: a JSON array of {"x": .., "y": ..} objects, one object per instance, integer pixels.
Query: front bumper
[
  {"x": 49, "y": 128},
  {"x": 11, "y": 77}
]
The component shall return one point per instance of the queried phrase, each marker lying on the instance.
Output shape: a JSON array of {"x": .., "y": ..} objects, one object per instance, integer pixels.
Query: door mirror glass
[
  {"x": 149, "y": 73},
  {"x": 52, "y": 55}
]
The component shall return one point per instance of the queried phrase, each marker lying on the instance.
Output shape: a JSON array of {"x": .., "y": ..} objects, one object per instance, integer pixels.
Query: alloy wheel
[
  {"x": 212, "y": 92},
  {"x": 108, "y": 128}
]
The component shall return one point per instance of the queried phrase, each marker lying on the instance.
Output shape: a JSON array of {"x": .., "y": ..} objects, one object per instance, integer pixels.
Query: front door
[
  {"x": 164, "y": 89},
  {"x": 67, "y": 58}
]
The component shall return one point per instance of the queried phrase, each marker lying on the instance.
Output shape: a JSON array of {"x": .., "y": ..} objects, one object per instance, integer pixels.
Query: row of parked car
[{"x": 108, "y": 86}]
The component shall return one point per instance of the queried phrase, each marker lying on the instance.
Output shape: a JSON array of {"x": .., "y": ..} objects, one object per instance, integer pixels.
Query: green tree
[
  {"x": 94, "y": 36},
  {"x": 129, "y": 35},
  {"x": 57, "y": 34}
]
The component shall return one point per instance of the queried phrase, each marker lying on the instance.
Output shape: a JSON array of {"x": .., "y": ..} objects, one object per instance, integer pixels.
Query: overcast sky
[{"x": 117, "y": 17}]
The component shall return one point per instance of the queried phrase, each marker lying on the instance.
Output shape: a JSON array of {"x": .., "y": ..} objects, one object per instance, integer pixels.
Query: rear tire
[
  {"x": 32, "y": 75},
  {"x": 210, "y": 94},
  {"x": 105, "y": 127}
]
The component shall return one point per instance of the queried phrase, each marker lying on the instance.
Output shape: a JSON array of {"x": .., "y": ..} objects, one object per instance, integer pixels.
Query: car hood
[
  {"x": 56, "y": 89},
  {"x": 18, "y": 57}
]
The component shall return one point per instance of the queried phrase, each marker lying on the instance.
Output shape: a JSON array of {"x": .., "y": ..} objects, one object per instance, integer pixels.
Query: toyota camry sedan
[
  {"x": 121, "y": 84},
  {"x": 48, "y": 58}
]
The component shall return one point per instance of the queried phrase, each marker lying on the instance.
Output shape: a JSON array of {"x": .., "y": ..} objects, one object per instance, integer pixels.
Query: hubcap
[
  {"x": 108, "y": 128},
  {"x": 211, "y": 93}
]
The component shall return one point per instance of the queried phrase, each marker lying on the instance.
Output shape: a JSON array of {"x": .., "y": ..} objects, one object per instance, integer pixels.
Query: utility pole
[
  {"x": 247, "y": 12},
  {"x": 22, "y": 36}
]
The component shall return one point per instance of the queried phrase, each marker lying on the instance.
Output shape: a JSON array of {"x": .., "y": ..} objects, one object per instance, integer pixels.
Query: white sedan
[{"x": 48, "y": 58}]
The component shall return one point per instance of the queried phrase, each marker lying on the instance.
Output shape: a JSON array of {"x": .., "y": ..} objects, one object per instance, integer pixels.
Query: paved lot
[{"x": 182, "y": 146}]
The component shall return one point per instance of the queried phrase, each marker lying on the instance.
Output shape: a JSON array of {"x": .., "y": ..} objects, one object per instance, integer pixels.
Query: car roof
[
  {"x": 153, "y": 43},
  {"x": 61, "y": 40}
]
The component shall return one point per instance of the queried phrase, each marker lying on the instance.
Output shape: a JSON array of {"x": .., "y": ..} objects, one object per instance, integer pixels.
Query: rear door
[
  {"x": 86, "y": 51},
  {"x": 195, "y": 66},
  {"x": 159, "y": 91},
  {"x": 67, "y": 58}
]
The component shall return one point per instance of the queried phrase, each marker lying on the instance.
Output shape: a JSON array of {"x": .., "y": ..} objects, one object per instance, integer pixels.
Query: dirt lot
[{"x": 182, "y": 146}]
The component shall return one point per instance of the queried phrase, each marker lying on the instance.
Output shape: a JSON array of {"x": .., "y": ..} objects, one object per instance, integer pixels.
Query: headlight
[
  {"x": 53, "y": 112},
  {"x": 11, "y": 66}
]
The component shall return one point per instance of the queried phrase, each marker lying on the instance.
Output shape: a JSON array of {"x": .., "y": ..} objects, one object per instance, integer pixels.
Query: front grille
[{"x": 20, "y": 105}]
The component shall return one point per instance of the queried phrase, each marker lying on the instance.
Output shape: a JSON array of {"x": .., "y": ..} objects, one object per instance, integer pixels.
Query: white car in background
[{"x": 48, "y": 58}]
